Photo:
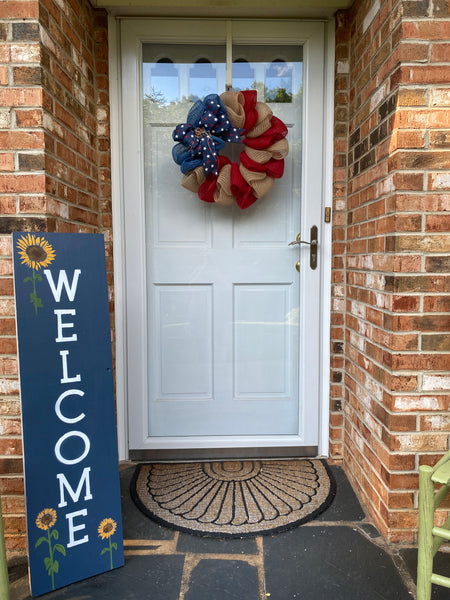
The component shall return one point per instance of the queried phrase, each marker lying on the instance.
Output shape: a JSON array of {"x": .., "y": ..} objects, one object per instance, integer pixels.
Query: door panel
[{"x": 224, "y": 353}]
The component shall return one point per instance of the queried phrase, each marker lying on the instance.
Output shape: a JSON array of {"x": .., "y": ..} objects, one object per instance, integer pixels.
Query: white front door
[{"x": 222, "y": 329}]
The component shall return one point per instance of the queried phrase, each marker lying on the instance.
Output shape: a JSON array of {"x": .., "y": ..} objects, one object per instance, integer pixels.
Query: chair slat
[
  {"x": 441, "y": 532},
  {"x": 442, "y": 474},
  {"x": 440, "y": 580}
]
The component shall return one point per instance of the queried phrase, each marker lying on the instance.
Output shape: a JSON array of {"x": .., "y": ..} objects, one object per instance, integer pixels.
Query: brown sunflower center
[
  {"x": 36, "y": 253},
  {"x": 47, "y": 519},
  {"x": 107, "y": 528}
]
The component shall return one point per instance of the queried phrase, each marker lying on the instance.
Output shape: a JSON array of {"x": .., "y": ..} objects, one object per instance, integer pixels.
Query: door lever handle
[
  {"x": 298, "y": 242},
  {"x": 313, "y": 243}
]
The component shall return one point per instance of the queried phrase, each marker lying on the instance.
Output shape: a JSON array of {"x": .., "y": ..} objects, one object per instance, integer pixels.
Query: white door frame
[{"x": 118, "y": 240}]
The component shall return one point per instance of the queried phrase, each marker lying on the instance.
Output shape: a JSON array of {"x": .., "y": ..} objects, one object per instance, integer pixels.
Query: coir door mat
[{"x": 233, "y": 498}]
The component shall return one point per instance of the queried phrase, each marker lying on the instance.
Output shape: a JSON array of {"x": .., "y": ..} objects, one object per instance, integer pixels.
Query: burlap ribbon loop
[
  {"x": 193, "y": 179},
  {"x": 261, "y": 183},
  {"x": 234, "y": 103}
]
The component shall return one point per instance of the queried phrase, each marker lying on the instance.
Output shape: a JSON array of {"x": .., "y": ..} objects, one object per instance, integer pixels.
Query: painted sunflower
[
  {"x": 46, "y": 518},
  {"x": 107, "y": 528},
  {"x": 35, "y": 251}
]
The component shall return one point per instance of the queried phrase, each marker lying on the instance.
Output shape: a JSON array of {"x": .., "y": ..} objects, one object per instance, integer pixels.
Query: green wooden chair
[{"x": 430, "y": 537}]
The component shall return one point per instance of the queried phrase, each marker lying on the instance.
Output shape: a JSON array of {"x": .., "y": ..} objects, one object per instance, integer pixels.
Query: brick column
[
  {"x": 397, "y": 256},
  {"x": 54, "y": 172},
  {"x": 341, "y": 116}
]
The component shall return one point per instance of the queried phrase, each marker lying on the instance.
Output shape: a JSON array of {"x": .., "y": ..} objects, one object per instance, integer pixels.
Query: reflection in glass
[
  {"x": 275, "y": 72},
  {"x": 174, "y": 75},
  {"x": 202, "y": 80},
  {"x": 243, "y": 75},
  {"x": 278, "y": 82},
  {"x": 164, "y": 86}
]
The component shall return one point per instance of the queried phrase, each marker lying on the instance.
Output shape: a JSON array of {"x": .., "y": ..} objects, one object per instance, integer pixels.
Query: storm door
[{"x": 222, "y": 303}]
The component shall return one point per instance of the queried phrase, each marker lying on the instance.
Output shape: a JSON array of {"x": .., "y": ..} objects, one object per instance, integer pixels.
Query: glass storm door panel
[{"x": 225, "y": 317}]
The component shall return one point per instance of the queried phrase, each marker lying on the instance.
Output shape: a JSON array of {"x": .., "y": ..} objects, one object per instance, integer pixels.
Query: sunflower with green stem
[
  {"x": 36, "y": 253},
  {"x": 106, "y": 530},
  {"x": 45, "y": 520}
]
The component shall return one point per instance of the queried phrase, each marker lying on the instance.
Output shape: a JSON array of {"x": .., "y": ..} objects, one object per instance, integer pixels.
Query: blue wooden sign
[{"x": 69, "y": 429}]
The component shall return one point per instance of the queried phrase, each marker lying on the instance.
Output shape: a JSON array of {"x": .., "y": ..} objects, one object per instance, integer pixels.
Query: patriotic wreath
[{"x": 231, "y": 117}]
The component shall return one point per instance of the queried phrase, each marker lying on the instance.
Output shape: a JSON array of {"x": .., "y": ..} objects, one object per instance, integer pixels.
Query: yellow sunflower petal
[
  {"x": 107, "y": 528},
  {"x": 35, "y": 251},
  {"x": 46, "y": 518}
]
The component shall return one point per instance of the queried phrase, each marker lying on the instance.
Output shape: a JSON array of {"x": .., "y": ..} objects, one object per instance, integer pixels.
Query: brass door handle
[
  {"x": 313, "y": 243},
  {"x": 298, "y": 242}
]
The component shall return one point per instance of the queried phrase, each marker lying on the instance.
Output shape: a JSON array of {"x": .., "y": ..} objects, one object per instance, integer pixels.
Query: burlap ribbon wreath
[{"x": 261, "y": 162}]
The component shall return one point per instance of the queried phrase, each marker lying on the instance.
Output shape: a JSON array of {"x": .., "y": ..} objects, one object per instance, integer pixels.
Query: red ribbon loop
[
  {"x": 241, "y": 189},
  {"x": 251, "y": 114},
  {"x": 274, "y": 168}
]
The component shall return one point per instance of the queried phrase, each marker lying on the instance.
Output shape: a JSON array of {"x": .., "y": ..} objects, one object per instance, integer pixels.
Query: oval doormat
[{"x": 233, "y": 498}]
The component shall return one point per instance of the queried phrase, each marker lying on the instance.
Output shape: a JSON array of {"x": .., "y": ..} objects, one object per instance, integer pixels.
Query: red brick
[
  {"x": 404, "y": 519},
  {"x": 10, "y": 447},
  {"x": 438, "y": 181},
  {"x": 408, "y": 181},
  {"x": 431, "y": 74},
  {"x": 13, "y": 504},
  {"x": 407, "y": 139},
  {"x": 10, "y": 406},
  {"x": 420, "y": 362},
  {"x": 436, "y": 303},
  {"x": 8, "y": 346},
  {"x": 22, "y": 183},
  {"x": 29, "y": 118},
  {"x": 6, "y": 161},
  {"x": 32, "y": 204},
  {"x": 10, "y": 426},
  {"x": 13, "y": 9},
  {"x": 7, "y": 204},
  {"x": 427, "y": 29},
  {"x": 16, "y": 544},
  {"x": 7, "y": 327},
  {"x": 434, "y": 423},
  {"x": 422, "y": 118},
  {"x": 401, "y": 500},
  {"x": 13, "y": 524},
  {"x": 440, "y": 139},
  {"x": 21, "y": 140},
  {"x": 25, "y": 53},
  {"x": 437, "y": 223},
  {"x": 20, "y": 96},
  {"x": 11, "y": 485},
  {"x": 440, "y": 52},
  {"x": 61, "y": 76},
  {"x": 406, "y": 304},
  {"x": 420, "y": 160}
]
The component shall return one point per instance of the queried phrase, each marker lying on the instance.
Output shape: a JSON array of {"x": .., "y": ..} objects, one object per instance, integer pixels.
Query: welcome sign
[{"x": 68, "y": 414}]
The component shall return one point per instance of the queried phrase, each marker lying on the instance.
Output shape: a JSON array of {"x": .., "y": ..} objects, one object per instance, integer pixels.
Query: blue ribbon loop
[{"x": 207, "y": 130}]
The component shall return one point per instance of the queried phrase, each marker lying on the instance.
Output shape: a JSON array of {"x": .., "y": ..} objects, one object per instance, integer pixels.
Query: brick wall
[
  {"x": 390, "y": 290},
  {"x": 397, "y": 258},
  {"x": 341, "y": 116},
  {"x": 54, "y": 172}
]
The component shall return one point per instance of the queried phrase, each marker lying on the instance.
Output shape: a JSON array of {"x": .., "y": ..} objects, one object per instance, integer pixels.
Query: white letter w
[{"x": 71, "y": 290}]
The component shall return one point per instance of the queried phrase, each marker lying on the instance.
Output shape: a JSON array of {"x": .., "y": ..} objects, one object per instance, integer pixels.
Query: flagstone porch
[{"x": 340, "y": 554}]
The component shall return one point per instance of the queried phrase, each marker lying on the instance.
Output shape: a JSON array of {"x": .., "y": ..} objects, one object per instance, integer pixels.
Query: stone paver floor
[{"x": 340, "y": 555}]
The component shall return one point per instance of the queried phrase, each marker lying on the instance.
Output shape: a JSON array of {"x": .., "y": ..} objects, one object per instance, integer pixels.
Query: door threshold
[{"x": 223, "y": 453}]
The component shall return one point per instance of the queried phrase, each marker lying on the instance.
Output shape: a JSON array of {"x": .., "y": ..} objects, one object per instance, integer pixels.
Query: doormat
[{"x": 233, "y": 498}]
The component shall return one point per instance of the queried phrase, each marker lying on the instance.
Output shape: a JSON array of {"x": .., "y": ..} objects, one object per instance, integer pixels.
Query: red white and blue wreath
[{"x": 231, "y": 117}]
